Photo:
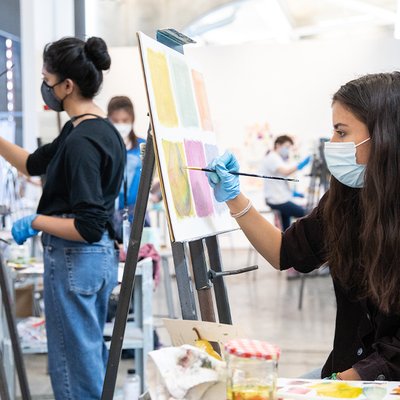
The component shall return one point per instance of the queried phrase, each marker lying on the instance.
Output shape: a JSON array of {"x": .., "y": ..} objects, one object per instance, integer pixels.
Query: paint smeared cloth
[
  {"x": 185, "y": 373},
  {"x": 147, "y": 250}
]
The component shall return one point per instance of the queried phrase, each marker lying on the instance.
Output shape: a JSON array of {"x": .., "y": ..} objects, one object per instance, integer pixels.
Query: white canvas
[{"x": 183, "y": 136}]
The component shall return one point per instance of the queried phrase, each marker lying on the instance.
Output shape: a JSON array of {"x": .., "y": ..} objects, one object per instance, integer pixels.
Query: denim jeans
[
  {"x": 78, "y": 280},
  {"x": 287, "y": 211},
  {"x": 313, "y": 374}
]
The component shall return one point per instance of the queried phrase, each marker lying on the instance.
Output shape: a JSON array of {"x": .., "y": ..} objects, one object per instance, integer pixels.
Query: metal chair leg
[{"x": 302, "y": 283}]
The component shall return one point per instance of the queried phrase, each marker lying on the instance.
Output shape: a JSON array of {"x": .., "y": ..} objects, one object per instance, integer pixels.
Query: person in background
[
  {"x": 84, "y": 167},
  {"x": 122, "y": 114},
  {"x": 278, "y": 194},
  {"x": 354, "y": 228}
]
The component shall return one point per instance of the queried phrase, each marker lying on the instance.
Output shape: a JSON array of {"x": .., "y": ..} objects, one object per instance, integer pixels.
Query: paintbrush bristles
[{"x": 195, "y": 168}]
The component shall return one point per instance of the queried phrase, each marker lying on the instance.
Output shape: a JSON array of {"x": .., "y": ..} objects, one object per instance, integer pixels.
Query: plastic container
[
  {"x": 132, "y": 386},
  {"x": 252, "y": 369}
]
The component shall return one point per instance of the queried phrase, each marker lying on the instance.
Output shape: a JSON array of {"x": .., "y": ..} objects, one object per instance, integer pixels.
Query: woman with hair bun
[{"x": 84, "y": 167}]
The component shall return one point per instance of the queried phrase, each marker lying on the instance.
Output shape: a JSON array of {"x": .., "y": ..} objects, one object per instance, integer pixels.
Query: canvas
[{"x": 183, "y": 136}]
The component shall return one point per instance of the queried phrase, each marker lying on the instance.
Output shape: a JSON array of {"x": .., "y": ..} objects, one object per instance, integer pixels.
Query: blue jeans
[
  {"x": 287, "y": 211},
  {"x": 78, "y": 280},
  {"x": 313, "y": 374}
]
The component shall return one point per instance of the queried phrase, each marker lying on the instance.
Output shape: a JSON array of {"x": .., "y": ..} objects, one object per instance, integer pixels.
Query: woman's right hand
[{"x": 226, "y": 186}]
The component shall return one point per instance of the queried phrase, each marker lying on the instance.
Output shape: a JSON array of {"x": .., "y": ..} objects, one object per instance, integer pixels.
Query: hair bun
[{"x": 96, "y": 51}]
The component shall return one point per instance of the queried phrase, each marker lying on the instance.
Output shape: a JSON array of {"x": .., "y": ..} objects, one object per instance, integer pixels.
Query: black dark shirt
[
  {"x": 84, "y": 169},
  {"x": 365, "y": 339}
]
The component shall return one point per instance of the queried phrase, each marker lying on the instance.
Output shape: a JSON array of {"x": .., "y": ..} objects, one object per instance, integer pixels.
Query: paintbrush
[{"x": 245, "y": 174}]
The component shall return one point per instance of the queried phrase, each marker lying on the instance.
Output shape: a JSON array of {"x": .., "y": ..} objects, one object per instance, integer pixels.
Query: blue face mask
[
  {"x": 284, "y": 152},
  {"x": 341, "y": 160}
]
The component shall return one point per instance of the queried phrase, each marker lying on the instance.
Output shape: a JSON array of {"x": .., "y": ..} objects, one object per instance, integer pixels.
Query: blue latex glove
[
  {"x": 303, "y": 163},
  {"x": 226, "y": 186},
  {"x": 22, "y": 229},
  {"x": 298, "y": 194}
]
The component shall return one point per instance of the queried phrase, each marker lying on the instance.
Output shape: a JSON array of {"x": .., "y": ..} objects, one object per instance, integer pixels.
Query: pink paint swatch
[{"x": 200, "y": 188}]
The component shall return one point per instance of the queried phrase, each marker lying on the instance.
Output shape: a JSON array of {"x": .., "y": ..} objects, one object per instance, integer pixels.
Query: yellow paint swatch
[
  {"x": 178, "y": 179},
  {"x": 161, "y": 83},
  {"x": 339, "y": 390}
]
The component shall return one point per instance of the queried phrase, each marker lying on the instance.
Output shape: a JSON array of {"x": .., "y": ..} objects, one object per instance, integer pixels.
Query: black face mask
[{"x": 49, "y": 97}]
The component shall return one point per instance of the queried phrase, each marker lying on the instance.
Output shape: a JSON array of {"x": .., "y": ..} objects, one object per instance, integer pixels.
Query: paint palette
[
  {"x": 327, "y": 389},
  {"x": 184, "y": 136}
]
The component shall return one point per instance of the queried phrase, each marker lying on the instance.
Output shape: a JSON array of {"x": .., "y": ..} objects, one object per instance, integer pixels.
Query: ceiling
[{"x": 227, "y": 22}]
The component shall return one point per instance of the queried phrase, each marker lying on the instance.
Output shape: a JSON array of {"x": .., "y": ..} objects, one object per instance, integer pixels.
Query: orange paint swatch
[
  {"x": 202, "y": 101},
  {"x": 161, "y": 84}
]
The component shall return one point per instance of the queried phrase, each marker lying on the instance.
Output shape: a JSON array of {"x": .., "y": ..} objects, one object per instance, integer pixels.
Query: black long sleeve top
[
  {"x": 365, "y": 338},
  {"x": 84, "y": 169}
]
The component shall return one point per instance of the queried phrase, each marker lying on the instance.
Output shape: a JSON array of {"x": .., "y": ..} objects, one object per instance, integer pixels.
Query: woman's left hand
[
  {"x": 349, "y": 375},
  {"x": 22, "y": 229}
]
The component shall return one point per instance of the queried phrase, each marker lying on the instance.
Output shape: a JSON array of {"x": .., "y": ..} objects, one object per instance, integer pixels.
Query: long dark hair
[
  {"x": 363, "y": 225},
  {"x": 124, "y": 103},
  {"x": 82, "y": 62}
]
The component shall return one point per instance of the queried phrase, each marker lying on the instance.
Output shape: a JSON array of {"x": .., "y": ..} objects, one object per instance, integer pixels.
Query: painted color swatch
[
  {"x": 202, "y": 101},
  {"x": 211, "y": 151},
  {"x": 178, "y": 179},
  {"x": 200, "y": 188},
  {"x": 161, "y": 83},
  {"x": 183, "y": 93},
  {"x": 337, "y": 389}
]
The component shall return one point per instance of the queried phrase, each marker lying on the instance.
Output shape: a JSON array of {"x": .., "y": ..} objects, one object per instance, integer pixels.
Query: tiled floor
[{"x": 264, "y": 304}]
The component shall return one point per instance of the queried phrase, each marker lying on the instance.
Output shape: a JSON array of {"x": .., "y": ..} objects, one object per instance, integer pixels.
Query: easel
[
  {"x": 319, "y": 177},
  {"x": 204, "y": 277},
  {"x": 319, "y": 182}
]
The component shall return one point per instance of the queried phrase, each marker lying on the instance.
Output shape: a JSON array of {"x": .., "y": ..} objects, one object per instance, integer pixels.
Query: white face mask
[
  {"x": 124, "y": 129},
  {"x": 341, "y": 160}
]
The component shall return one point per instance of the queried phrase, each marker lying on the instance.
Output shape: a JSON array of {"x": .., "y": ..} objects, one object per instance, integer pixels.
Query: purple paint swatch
[
  {"x": 200, "y": 188},
  {"x": 211, "y": 153}
]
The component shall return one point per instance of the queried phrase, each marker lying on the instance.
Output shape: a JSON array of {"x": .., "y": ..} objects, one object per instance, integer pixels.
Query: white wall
[
  {"x": 288, "y": 85},
  {"x": 42, "y": 21},
  {"x": 125, "y": 78}
]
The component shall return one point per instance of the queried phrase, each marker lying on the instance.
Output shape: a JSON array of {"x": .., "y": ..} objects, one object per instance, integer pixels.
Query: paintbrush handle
[
  {"x": 246, "y": 174},
  {"x": 263, "y": 176}
]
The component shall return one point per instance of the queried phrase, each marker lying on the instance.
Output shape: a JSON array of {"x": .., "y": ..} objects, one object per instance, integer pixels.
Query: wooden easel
[{"x": 205, "y": 276}]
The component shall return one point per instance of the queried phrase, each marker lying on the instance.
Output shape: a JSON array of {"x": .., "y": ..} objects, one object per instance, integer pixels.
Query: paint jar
[{"x": 252, "y": 369}]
